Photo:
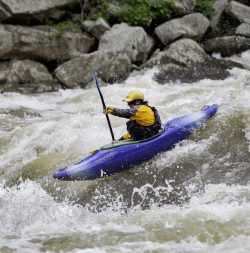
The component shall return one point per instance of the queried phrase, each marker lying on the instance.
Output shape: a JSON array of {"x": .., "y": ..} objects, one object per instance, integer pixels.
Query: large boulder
[
  {"x": 132, "y": 41},
  {"x": 26, "y": 76},
  {"x": 190, "y": 26},
  {"x": 228, "y": 45},
  {"x": 42, "y": 43},
  {"x": 27, "y": 71},
  {"x": 33, "y": 10},
  {"x": 182, "y": 7},
  {"x": 184, "y": 52},
  {"x": 214, "y": 70},
  {"x": 185, "y": 60},
  {"x": 111, "y": 66},
  {"x": 239, "y": 11}
]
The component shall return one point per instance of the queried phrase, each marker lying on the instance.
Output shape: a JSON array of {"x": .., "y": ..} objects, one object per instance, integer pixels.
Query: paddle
[{"x": 103, "y": 103}]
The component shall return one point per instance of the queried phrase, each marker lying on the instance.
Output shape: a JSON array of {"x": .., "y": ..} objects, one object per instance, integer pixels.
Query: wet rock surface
[{"x": 227, "y": 45}]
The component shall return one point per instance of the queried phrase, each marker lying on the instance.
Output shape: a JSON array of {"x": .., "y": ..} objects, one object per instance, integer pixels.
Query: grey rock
[
  {"x": 78, "y": 71},
  {"x": 87, "y": 25},
  {"x": 35, "y": 9},
  {"x": 96, "y": 28},
  {"x": 214, "y": 70},
  {"x": 182, "y": 7},
  {"x": 26, "y": 76},
  {"x": 239, "y": 11},
  {"x": 44, "y": 43},
  {"x": 184, "y": 52},
  {"x": 228, "y": 45},
  {"x": 27, "y": 71},
  {"x": 4, "y": 14},
  {"x": 6, "y": 41},
  {"x": 186, "y": 61},
  {"x": 218, "y": 9},
  {"x": 190, "y": 26},
  {"x": 99, "y": 27},
  {"x": 243, "y": 29},
  {"x": 132, "y": 41}
]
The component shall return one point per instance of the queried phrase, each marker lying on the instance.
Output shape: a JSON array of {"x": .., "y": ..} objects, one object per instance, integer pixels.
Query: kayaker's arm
[{"x": 124, "y": 113}]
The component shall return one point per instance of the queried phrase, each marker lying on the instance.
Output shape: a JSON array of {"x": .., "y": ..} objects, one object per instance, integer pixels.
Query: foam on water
[{"x": 216, "y": 221}]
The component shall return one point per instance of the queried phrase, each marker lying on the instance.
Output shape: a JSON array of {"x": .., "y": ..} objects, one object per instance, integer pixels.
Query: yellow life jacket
[{"x": 144, "y": 116}]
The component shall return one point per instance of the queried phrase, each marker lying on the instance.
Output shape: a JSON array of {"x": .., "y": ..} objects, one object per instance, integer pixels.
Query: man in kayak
[{"x": 144, "y": 120}]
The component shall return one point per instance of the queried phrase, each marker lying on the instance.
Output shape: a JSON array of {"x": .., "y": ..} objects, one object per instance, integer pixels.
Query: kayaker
[{"x": 144, "y": 120}]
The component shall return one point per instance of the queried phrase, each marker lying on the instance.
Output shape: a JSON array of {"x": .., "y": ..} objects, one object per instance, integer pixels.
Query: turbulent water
[{"x": 193, "y": 198}]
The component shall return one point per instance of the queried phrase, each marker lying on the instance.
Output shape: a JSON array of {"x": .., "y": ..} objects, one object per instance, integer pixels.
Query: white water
[
  {"x": 216, "y": 221},
  {"x": 194, "y": 198}
]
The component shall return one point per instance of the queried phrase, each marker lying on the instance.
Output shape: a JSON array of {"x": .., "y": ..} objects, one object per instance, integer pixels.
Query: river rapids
[{"x": 194, "y": 198}]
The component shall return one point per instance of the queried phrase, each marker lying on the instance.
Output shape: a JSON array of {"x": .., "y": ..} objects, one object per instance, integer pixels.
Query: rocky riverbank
[{"x": 46, "y": 45}]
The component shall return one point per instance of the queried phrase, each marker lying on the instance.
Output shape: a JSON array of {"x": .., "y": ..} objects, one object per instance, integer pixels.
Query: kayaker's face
[{"x": 135, "y": 102}]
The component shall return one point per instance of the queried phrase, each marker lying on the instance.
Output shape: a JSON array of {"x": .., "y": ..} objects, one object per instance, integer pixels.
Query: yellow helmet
[{"x": 134, "y": 95}]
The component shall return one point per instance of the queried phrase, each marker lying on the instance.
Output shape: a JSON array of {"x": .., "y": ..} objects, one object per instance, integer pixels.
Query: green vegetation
[
  {"x": 66, "y": 25},
  {"x": 205, "y": 7},
  {"x": 141, "y": 12},
  {"x": 60, "y": 28},
  {"x": 137, "y": 12}
]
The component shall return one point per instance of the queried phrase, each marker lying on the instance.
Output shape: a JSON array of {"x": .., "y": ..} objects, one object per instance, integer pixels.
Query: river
[{"x": 193, "y": 198}]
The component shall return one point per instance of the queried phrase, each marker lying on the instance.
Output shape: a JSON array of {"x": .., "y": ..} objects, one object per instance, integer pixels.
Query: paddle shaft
[{"x": 103, "y": 103}]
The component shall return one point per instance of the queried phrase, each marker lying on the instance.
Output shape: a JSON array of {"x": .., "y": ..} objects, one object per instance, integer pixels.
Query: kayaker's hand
[{"x": 109, "y": 110}]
